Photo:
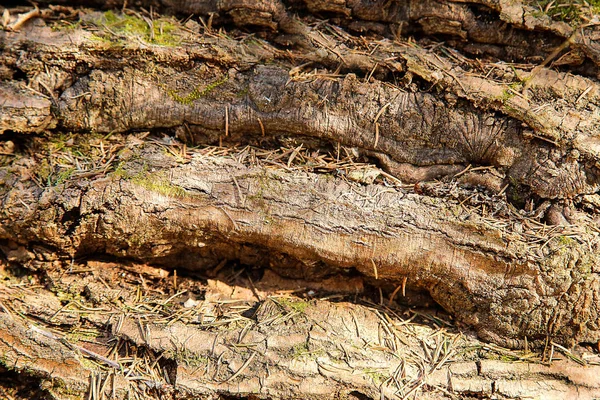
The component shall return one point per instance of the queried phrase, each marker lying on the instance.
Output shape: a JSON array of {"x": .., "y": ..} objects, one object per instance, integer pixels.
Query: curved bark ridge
[
  {"x": 408, "y": 129},
  {"x": 422, "y": 135},
  {"x": 529, "y": 31},
  {"x": 192, "y": 215},
  {"x": 422, "y": 111}
]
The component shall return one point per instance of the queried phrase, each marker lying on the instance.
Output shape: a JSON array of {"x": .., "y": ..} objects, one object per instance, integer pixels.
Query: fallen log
[{"x": 318, "y": 150}]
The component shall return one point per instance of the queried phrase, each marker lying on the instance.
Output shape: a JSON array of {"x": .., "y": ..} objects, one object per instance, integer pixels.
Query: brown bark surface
[
  {"x": 109, "y": 330},
  {"x": 355, "y": 154}
]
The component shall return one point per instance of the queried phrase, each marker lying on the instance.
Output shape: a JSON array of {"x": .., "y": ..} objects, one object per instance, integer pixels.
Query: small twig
[
  {"x": 262, "y": 127},
  {"x": 585, "y": 92},
  {"x": 374, "y": 67},
  {"x": 569, "y": 354},
  {"x": 464, "y": 171},
  {"x": 375, "y": 270},
  {"x": 242, "y": 197},
  {"x": 5, "y": 18},
  {"x": 242, "y": 368},
  {"x": 90, "y": 353},
  {"x": 227, "y": 120},
  {"x": 501, "y": 192},
  {"x": 235, "y": 225},
  {"x": 393, "y": 295},
  {"x": 377, "y": 124},
  {"x": 22, "y": 18},
  {"x": 79, "y": 95}
]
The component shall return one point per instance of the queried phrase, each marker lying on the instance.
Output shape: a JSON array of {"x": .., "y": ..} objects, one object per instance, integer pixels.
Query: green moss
[
  {"x": 568, "y": 259},
  {"x": 44, "y": 172},
  {"x": 297, "y": 305},
  {"x": 301, "y": 350},
  {"x": 67, "y": 297},
  {"x": 101, "y": 39},
  {"x": 89, "y": 364},
  {"x": 66, "y": 154},
  {"x": 188, "y": 357},
  {"x": 160, "y": 31},
  {"x": 77, "y": 335},
  {"x": 63, "y": 175},
  {"x": 120, "y": 171},
  {"x": 507, "y": 358},
  {"x": 568, "y": 249},
  {"x": 506, "y": 96},
  {"x": 565, "y": 240},
  {"x": 512, "y": 89},
  {"x": 197, "y": 93},
  {"x": 65, "y": 26},
  {"x": 50, "y": 175},
  {"x": 569, "y": 11},
  {"x": 264, "y": 184},
  {"x": 159, "y": 185},
  {"x": 267, "y": 219},
  {"x": 511, "y": 110},
  {"x": 153, "y": 182},
  {"x": 377, "y": 376}
]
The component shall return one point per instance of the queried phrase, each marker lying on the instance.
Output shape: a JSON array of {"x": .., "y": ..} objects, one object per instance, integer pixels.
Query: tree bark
[
  {"x": 465, "y": 171},
  {"x": 235, "y": 341}
]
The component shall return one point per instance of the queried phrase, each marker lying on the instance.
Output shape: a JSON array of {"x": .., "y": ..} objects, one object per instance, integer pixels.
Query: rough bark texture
[
  {"x": 507, "y": 286},
  {"x": 465, "y": 171},
  {"x": 123, "y": 340}
]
